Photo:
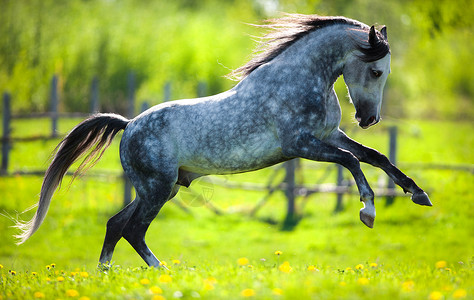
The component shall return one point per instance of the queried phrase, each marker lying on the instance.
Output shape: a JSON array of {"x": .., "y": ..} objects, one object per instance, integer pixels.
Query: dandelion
[
  {"x": 48, "y": 267},
  {"x": 247, "y": 293},
  {"x": 441, "y": 264},
  {"x": 363, "y": 281},
  {"x": 60, "y": 279},
  {"x": 459, "y": 294},
  {"x": 285, "y": 267},
  {"x": 34, "y": 273},
  {"x": 53, "y": 265},
  {"x": 12, "y": 272},
  {"x": 373, "y": 265},
  {"x": 208, "y": 286},
  {"x": 158, "y": 297},
  {"x": 163, "y": 263},
  {"x": 155, "y": 290},
  {"x": 84, "y": 274},
  {"x": 250, "y": 266},
  {"x": 278, "y": 252},
  {"x": 277, "y": 292},
  {"x": 1, "y": 267},
  {"x": 84, "y": 298},
  {"x": 145, "y": 281},
  {"x": 38, "y": 295},
  {"x": 360, "y": 267},
  {"x": 176, "y": 262},
  {"x": 408, "y": 286},
  {"x": 165, "y": 278},
  {"x": 243, "y": 261},
  {"x": 312, "y": 268},
  {"x": 435, "y": 295},
  {"x": 72, "y": 293}
]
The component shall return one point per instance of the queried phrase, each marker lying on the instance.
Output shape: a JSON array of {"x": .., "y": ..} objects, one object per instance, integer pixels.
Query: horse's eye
[{"x": 376, "y": 73}]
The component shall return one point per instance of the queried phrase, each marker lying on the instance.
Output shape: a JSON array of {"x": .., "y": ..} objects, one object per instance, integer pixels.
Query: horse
[{"x": 283, "y": 106}]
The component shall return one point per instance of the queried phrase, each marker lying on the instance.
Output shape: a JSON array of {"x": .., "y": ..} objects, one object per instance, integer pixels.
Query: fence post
[
  {"x": 127, "y": 197},
  {"x": 392, "y": 155},
  {"x": 290, "y": 219},
  {"x": 167, "y": 92},
  {"x": 95, "y": 95},
  {"x": 339, "y": 204},
  {"x": 6, "y": 133},
  {"x": 201, "y": 89},
  {"x": 54, "y": 106}
]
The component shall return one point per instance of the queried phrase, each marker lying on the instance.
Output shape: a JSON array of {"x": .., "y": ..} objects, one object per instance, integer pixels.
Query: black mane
[{"x": 289, "y": 29}]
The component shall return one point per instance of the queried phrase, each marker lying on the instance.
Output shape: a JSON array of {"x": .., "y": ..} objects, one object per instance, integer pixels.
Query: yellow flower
[
  {"x": 285, "y": 267},
  {"x": 145, "y": 281},
  {"x": 12, "y": 272},
  {"x": 53, "y": 265},
  {"x": 1, "y": 267},
  {"x": 247, "y": 293},
  {"x": 176, "y": 262},
  {"x": 312, "y": 268},
  {"x": 459, "y": 293},
  {"x": 278, "y": 252},
  {"x": 38, "y": 295},
  {"x": 84, "y": 298},
  {"x": 60, "y": 279},
  {"x": 408, "y": 286},
  {"x": 165, "y": 278},
  {"x": 373, "y": 265},
  {"x": 156, "y": 290},
  {"x": 84, "y": 274},
  {"x": 435, "y": 296},
  {"x": 348, "y": 269},
  {"x": 243, "y": 261},
  {"x": 360, "y": 267},
  {"x": 34, "y": 273},
  {"x": 363, "y": 281},
  {"x": 250, "y": 266},
  {"x": 163, "y": 263},
  {"x": 208, "y": 286},
  {"x": 441, "y": 264},
  {"x": 158, "y": 297},
  {"x": 277, "y": 292},
  {"x": 72, "y": 293},
  {"x": 342, "y": 283}
]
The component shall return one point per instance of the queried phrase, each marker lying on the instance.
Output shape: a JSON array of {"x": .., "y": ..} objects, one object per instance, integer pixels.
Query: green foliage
[{"x": 185, "y": 42}]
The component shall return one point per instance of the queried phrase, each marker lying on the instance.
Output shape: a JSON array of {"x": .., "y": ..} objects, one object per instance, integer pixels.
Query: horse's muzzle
[{"x": 367, "y": 122}]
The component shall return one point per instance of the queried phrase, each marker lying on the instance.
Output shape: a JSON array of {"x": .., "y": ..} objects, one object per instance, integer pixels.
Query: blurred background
[{"x": 183, "y": 42}]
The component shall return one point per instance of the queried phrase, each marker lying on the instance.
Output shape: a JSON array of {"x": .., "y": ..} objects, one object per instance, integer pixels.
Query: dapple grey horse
[{"x": 283, "y": 107}]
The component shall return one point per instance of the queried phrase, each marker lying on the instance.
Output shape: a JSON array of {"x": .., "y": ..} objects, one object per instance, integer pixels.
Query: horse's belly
[{"x": 235, "y": 160}]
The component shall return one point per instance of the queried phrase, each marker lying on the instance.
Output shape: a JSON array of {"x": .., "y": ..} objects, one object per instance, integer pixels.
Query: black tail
[{"x": 91, "y": 136}]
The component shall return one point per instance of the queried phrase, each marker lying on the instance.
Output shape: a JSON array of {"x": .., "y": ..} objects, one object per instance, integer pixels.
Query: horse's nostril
[{"x": 371, "y": 120}]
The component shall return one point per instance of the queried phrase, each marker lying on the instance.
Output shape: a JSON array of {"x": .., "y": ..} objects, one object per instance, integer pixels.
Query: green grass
[{"x": 408, "y": 244}]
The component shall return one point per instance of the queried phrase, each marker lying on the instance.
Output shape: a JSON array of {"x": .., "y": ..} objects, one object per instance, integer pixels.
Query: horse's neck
[{"x": 317, "y": 59}]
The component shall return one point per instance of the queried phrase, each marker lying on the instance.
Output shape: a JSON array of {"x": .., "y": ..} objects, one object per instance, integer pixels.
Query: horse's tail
[{"x": 90, "y": 137}]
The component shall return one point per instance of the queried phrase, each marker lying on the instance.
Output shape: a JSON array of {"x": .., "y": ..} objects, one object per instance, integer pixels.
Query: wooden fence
[{"x": 289, "y": 185}]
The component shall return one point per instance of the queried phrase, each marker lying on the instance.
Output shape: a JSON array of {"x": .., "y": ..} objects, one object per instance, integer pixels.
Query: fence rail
[{"x": 289, "y": 186}]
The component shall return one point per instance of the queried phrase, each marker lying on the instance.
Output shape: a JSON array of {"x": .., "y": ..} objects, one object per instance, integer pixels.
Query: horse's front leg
[
  {"x": 377, "y": 159},
  {"x": 305, "y": 145}
]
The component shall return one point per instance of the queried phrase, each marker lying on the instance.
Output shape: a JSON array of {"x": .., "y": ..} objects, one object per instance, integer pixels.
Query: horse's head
[{"x": 365, "y": 73}]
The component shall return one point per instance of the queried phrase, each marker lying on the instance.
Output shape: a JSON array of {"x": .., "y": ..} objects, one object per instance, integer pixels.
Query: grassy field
[{"x": 413, "y": 252}]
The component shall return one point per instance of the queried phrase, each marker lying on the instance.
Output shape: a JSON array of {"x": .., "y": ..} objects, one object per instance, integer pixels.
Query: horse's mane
[{"x": 287, "y": 30}]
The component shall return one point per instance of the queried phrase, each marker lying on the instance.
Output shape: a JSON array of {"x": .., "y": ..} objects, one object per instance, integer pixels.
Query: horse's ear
[
  {"x": 372, "y": 36},
  {"x": 383, "y": 31}
]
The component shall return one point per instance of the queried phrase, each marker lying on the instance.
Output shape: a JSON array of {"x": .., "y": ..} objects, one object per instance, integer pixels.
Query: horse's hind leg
[
  {"x": 148, "y": 207},
  {"x": 115, "y": 226}
]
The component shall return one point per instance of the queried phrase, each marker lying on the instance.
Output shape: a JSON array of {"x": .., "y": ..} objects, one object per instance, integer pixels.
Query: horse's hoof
[
  {"x": 366, "y": 218},
  {"x": 421, "y": 199}
]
